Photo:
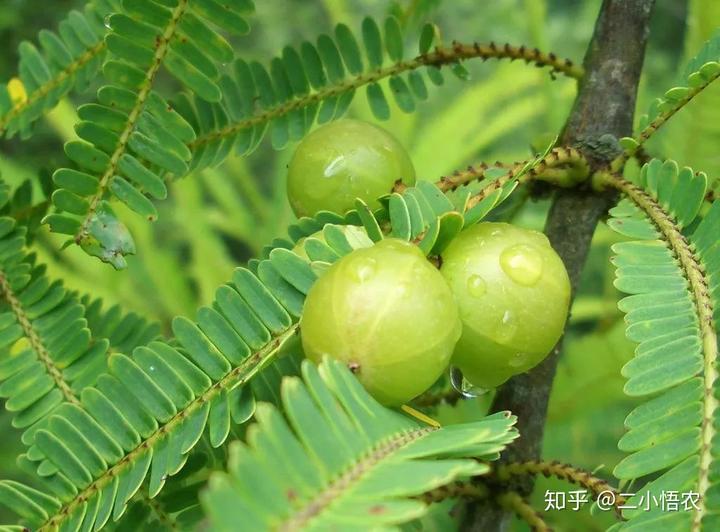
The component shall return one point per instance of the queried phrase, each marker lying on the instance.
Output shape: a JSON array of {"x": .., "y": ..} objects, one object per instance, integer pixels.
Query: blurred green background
[{"x": 217, "y": 220}]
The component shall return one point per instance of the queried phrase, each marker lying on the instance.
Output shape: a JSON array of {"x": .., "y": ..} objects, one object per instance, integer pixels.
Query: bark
[{"x": 604, "y": 106}]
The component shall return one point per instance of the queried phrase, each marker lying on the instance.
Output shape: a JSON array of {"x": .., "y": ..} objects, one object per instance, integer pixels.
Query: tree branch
[{"x": 605, "y": 105}]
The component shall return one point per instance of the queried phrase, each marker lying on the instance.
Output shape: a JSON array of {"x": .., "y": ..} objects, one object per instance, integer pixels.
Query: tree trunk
[{"x": 605, "y": 105}]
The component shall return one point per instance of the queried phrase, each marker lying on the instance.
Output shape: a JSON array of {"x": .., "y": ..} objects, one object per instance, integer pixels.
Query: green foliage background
[{"x": 214, "y": 221}]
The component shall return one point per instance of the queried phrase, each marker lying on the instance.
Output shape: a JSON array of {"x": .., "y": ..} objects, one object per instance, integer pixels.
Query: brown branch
[{"x": 604, "y": 105}]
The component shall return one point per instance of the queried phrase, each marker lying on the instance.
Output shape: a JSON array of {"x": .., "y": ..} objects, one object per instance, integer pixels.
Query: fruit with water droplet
[
  {"x": 513, "y": 294},
  {"x": 388, "y": 314},
  {"x": 344, "y": 160}
]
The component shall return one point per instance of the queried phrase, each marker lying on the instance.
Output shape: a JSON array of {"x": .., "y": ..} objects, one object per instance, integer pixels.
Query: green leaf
[
  {"x": 397, "y": 457},
  {"x": 373, "y": 42},
  {"x": 377, "y": 101},
  {"x": 393, "y": 39}
]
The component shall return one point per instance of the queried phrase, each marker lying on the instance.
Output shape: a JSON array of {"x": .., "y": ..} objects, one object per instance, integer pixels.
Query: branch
[
  {"x": 571, "y": 165},
  {"x": 604, "y": 105},
  {"x": 441, "y": 55}
]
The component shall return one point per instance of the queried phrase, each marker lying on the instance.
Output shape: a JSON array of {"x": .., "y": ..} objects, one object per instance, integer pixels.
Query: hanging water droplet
[
  {"x": 364, "y": 268},
  {"x": 463, "y": 386},
  {"x": 476, "y": 286},
  {"x": 522, "y": 263},
  {"x": 106, "y": 22},
  {"x": 517, "y": 360}
]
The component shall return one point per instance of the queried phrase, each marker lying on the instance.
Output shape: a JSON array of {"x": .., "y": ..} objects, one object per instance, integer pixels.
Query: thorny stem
[{"x": 441, "y": 55}]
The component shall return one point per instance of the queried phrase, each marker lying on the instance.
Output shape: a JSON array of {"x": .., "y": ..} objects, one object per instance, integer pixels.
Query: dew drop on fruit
[
  {"x": 522, "y": 263},
  {"x": 476, "y": 286},
  {"x": 463, "y": 386},
  {"x": 364, "y": 269}
]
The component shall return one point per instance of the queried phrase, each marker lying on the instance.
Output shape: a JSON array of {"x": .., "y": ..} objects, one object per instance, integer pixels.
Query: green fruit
[
  {"x": 513, "y": 294},
  {"x": 342, "y": 161},
  {"x": 388, "y": 314},
  {"x": 356, "y": 236}
]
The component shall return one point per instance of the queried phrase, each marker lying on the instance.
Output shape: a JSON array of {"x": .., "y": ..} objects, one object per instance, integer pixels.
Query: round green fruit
[
  {"x": 513, "y": 293},
  {"x": 344, "y": 160},
  {"x": 388, "y": 314}
]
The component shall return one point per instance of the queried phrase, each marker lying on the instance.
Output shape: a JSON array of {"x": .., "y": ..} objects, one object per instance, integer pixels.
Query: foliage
[{"x": 128, "y": 415}]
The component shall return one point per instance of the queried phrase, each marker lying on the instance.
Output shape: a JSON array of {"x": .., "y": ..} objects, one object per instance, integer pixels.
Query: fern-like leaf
[
  {"x": 131, "y": 137},
  {"x": 342, "y": 461},
  {"x": 671, "y": 266},
  {"x": 701, "y": 71},
  {"x": 69, "y": 60},
  {"x": 152, "y": 407},
  {"x": 48, "y": 353},
  {"x": 318, "y": 81}
]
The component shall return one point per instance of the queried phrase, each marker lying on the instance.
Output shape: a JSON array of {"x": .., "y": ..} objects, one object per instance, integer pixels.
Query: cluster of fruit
[{"x": 494, "y": 308}]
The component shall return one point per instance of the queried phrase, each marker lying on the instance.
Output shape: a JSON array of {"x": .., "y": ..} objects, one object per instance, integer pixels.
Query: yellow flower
[{"x": 17, "y": 91}]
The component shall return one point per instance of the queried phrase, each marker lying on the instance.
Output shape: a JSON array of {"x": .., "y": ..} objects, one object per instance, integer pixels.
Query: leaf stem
[
  {"x": 441, "y": 55},
  {"x": 45, "y": 89},
  {"x": 163, "y": 46},
  {"x": 36, "y": 343},
  {"x": 649, "y": 130}
]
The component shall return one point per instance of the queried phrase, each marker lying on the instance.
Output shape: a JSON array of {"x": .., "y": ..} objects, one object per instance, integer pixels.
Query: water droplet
[
  {"x": 496, "y": 232},
  {"x": 152, "y": 368},
  {"x": 476, "y": 286},
  {"x": 517, "y": 360},
  {"x": 522, "y": 263},
  {"x": 463, "y": 386},
  {"x": 106, "y": 22},
  {"x": 364, "y": 268}
]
